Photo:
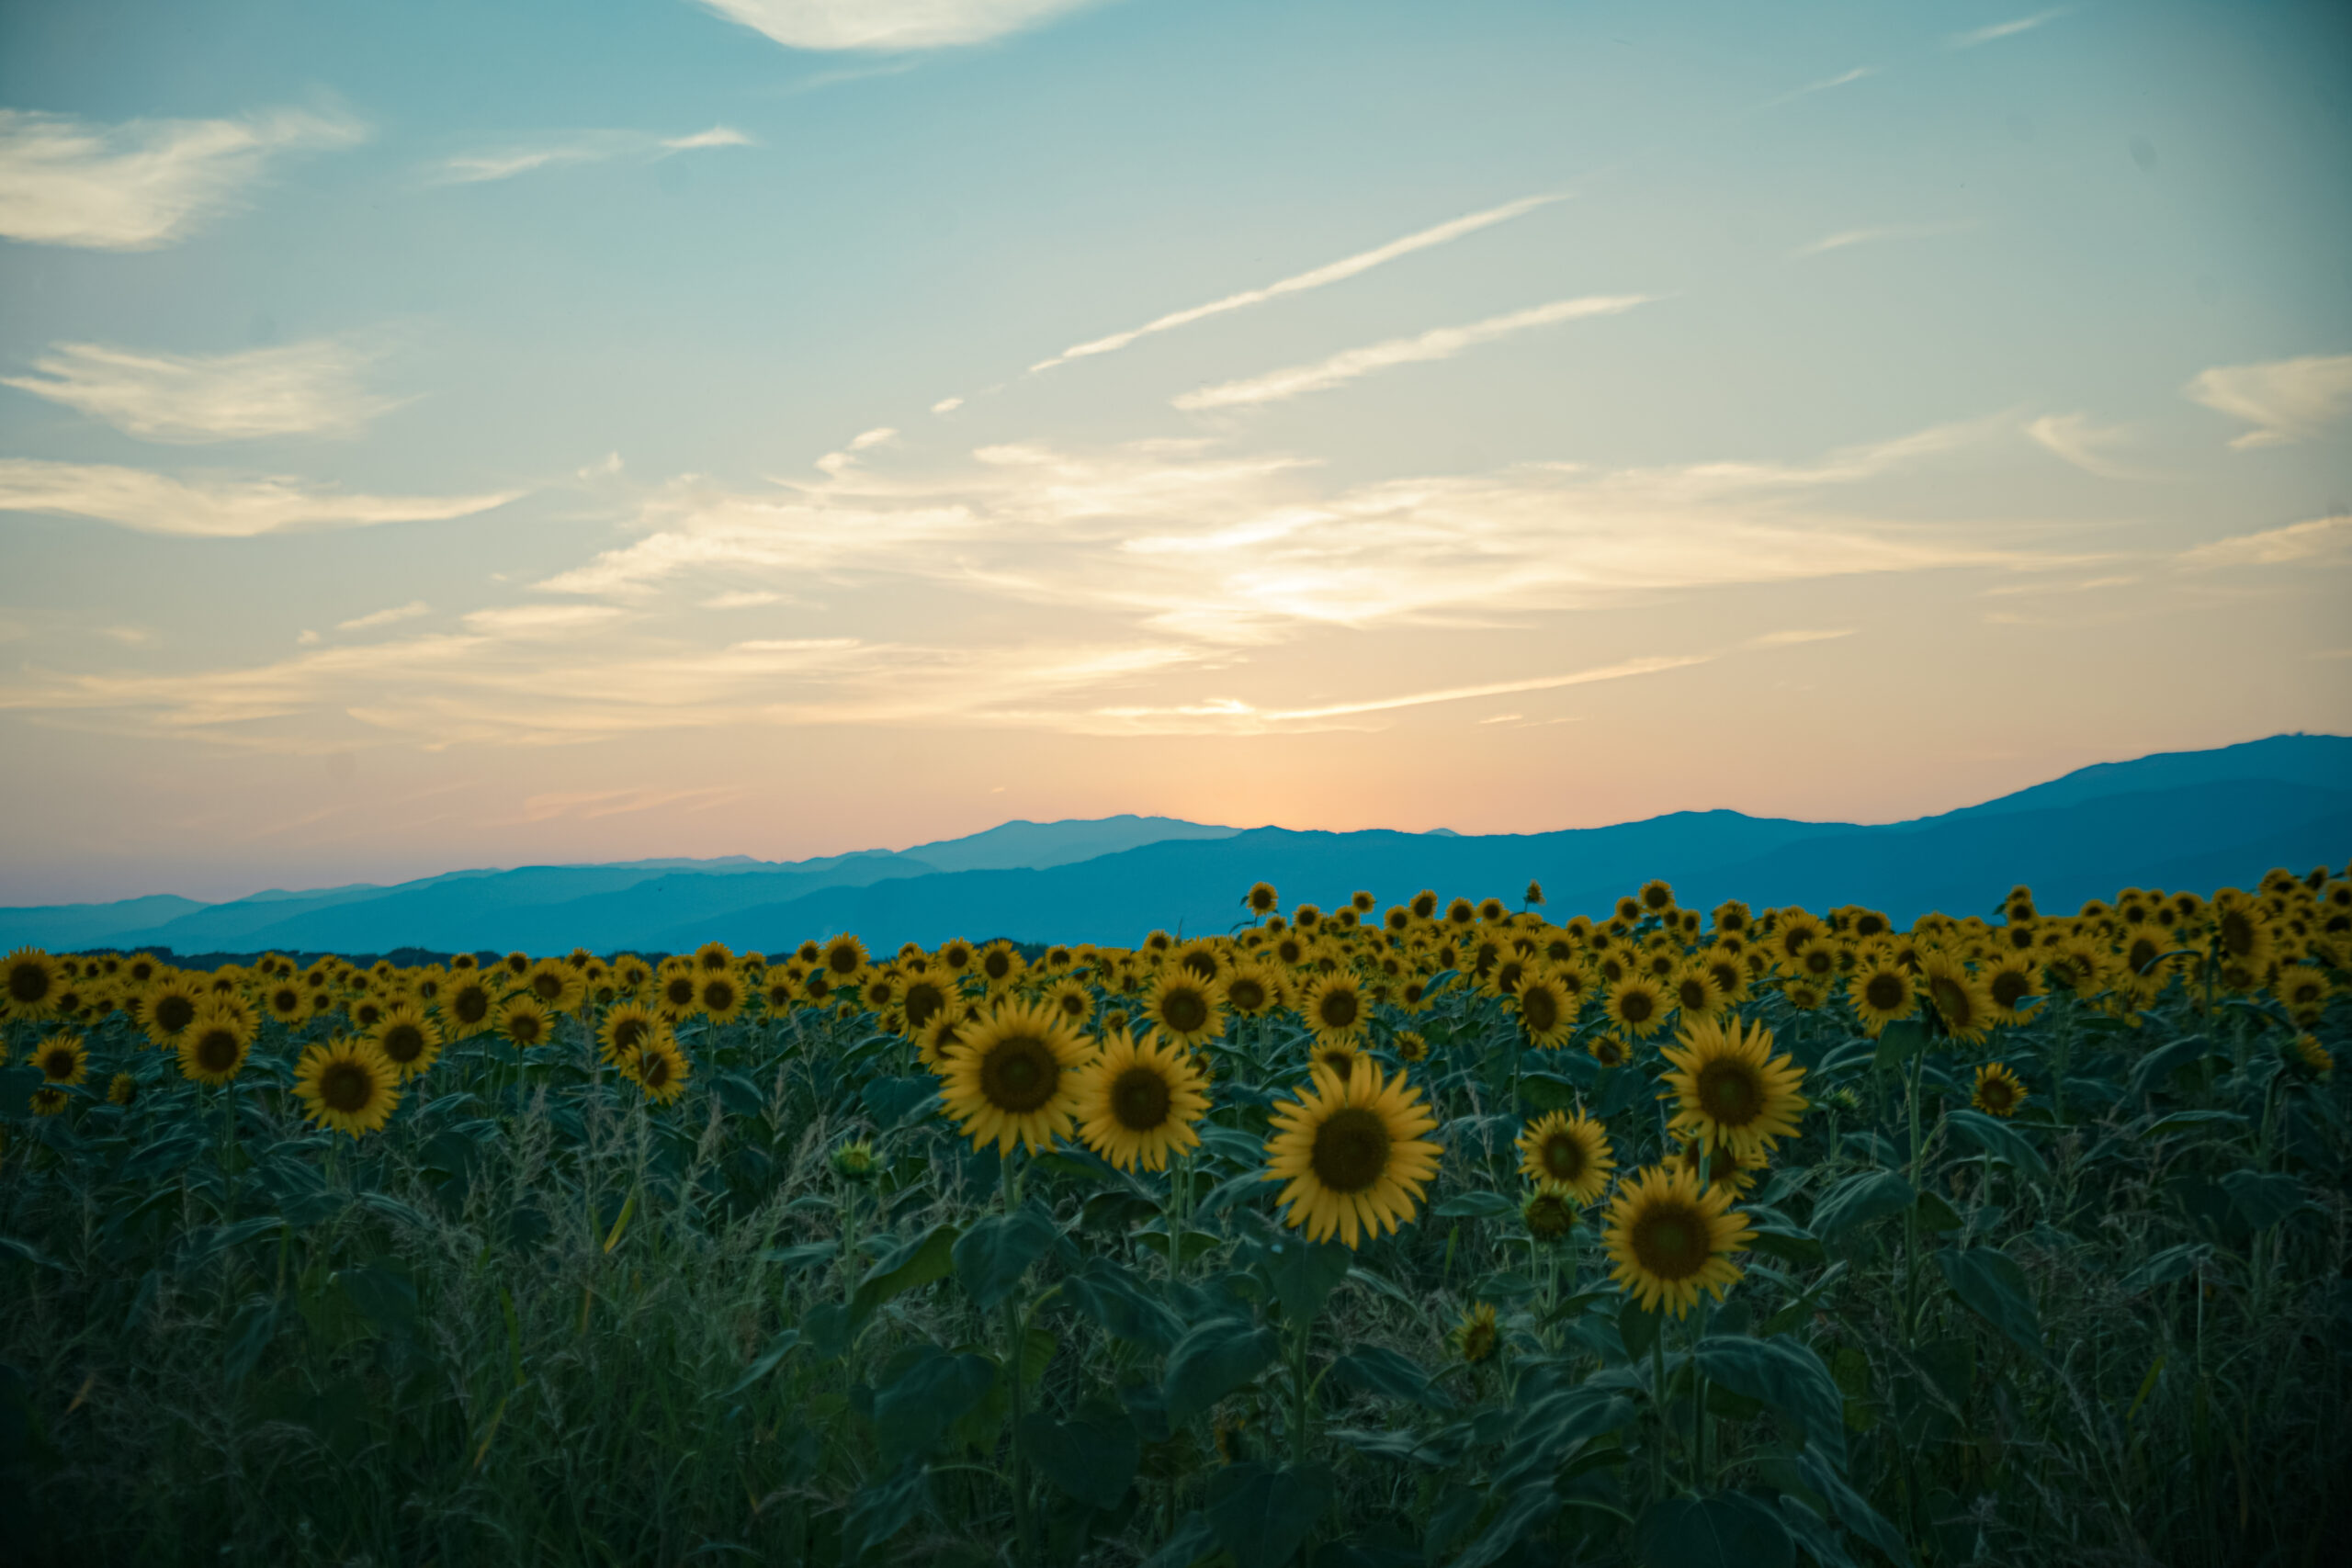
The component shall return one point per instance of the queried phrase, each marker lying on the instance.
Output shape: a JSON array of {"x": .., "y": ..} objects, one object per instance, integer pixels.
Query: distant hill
[{"x": 2195, "y": 819}]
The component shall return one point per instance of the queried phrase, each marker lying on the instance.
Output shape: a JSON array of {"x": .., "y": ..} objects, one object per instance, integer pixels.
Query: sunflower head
[
  {"x": 1354, "y": 1152},
  {"x": 1731, "y": 1091},
  {"x": 347, "y": 1086},
  {"x": 212, "y": 1049},
  {"x": 62, "y": 1059},
  {"x": 50, "y": 1100},
  {"x": 1637, "y": 1005},
  {"x": 1998, "y": 1092},
  {"x": 1013, "y": 1077},
  {"x": 854, "y": 1161},
  {"x": 1610, "y": 1051},
  {"x": 1184, "y": 1007},
  {"x": 1476, "y": 1336},
  {"x": 1137, "y": 1102},
  {"x": 1547, "y": 1215},
  {"x": 31, "y": 980},
  {"x": 1411, "y": 1047},
  {"x": 1567, "y": 1154},
  {"x": 524, "y": 1020},
  {"x": 1668, "y": 1240},
  {"x": 121, "y": 1090},
  {"x": 1547, "y": 1008},
  {"x": 660, "y": 1068},
  {"x": 408, "y": 1039},
  {"x": 1334, "y": 1008}
]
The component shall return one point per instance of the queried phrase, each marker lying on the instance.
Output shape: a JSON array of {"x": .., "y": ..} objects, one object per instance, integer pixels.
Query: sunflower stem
[
  {"x": 1699, "y": 1331},
  {"x": 1657, "y": 1397},
  {"x": 1298, "y": 1390}
]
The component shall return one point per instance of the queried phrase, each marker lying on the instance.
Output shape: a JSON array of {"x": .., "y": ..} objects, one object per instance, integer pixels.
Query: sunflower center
[
  {"x": 57, "y": 1064},
  {"x": 1140, "y": 1100},
  {"x": 1729, "y": 1092},
  {"x": 346, "y": 1087},
  {"x": 1996, "y": 1093},
  {"x": 1351, "y": 1150},
  {"x": 2009, "y": 986},
  {"x": 1671, "y": 1241},
  {"x": 216, "y": 1051},
  {"x": 1887, "y": 991},
  {"x": 472, "y": 1005},
  {"x": 1539, "y": 1008},
  {"x": 285, "y": 1002},
  {"x": 1564, "y": 1157},
  {"x": 1184, "y": 1010},
  {"x": 1075, "y": 1004},
  {"x": 524, "y": 1029},
  {"x": 2237, "y": 933},
  {"x": 718, "y": 995},
  {"x": 1020, "y": 1074},
  {"x": 996, "y": 966},
  {"x": 628, "y": 1034},
  {"x": 1952, "y": 1000},
  {"x": 28, "y": 982},
  {"x": 1338, "y": 1010},
  {"x": 655, "y": 1069},
  {"x": 922, "y": 1000},
  {"x": 1637, "y": 1005},
  {"x": 174, "y": 1013},
  {"x": 402, "y": 1042}
]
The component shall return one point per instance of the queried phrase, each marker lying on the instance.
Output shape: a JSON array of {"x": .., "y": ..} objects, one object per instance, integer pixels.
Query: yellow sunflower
[
  {"x": 719, "y": 994},
  {"x": 1261, "y": 898},
  {"x": 1136, "y": 1103},
  {"x": 928, "y": 990},
  {"x": 626, "y": 1027},
  {"x": 677, "y": 993},
  {"x": 1958, "y": 996},
  {"x": 938, "y": 1037},
  {"x": 1669, "y": 1240},
  {"x": 1475, "y": 1338},
  {"x": 1637, "y": 1005},
  {"x": 32, "y": 983},
  {"x": 556, "y": 985},
  {"x": 523, "y": 1020},
  {"x": 408, "y": 1039},
  {"x": 1697, "y": 992},
  {"x": 1730, "y": 1088},
  {"x": 1184, "y": 1007},
  {"x": 1567, "y": 1154},
  {"x": 660, "y": 1068},
  {"x": 212, "y": 1049},
  {"x": 1412, "y": 1047},
  {"x": 1998, "y": 1092},
  {"x": 1547, "y": 1009},
  {"x": 1735, "y": 1173},
  {"x": 62, "y": 1059},
  {"x": 348, "y": 1087},
  {"x": 171, "y": 1005},
  {"x": 1610, "y": 1051},
  {"x": 1334, "y": 1008},
  {"x": 121, "y": 1090},
  {"x": 468, "y": 1005},
  {"x": 1881, "y": 992},
  {"x": 1013, "y": 1077},
  {"x": 1252, "y": 989},
  {"x": 1354, "y": 1152},
  {"x": 1339, "y": 1057},
  {"x": 1000, "y": 964}
]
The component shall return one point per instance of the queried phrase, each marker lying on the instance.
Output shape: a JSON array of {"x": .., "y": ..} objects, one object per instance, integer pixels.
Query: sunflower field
[{"x": 1440, "y": 1234}]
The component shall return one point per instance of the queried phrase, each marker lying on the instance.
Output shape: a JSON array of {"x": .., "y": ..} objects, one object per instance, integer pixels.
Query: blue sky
[{"x": 445, "y": 434}]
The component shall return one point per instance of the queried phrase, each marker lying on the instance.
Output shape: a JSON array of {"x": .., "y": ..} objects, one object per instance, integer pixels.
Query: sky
[{"x": 449, "y": 434}]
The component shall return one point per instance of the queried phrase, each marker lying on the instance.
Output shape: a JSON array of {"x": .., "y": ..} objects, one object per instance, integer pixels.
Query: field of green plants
[{"x": 1438, "y": 1235}]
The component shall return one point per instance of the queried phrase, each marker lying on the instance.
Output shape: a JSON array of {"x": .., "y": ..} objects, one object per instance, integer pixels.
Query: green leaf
[
  {"x": 912, "y": 1263},
  {"x": 890, "y": 1102},
  {"x": 1304, "y": 1274},
  {"x": 1814, "y": 1534},
  {"x": 1899, "y": 1041},
  {"x": 1994, "y": 1288},
  {"x": 25, "y": 1251},
  {"x": 249, "y": 1335},
  {"x": 1262, "y": 1515},
  {"x": 1480, "y": 1205},
  {"x": 1638, "y": 1327},
  {"x": 2164, "y": 1267},
  {"x": 1548, "y": 1091},
  {"x": 2160, "y": 1063},
  {"x": 1786, "y": 1374},
  {"x": 1194, "y": 1541},
  {"x": 1122, "y": 1304},
  {"x": 915, "y": 1411},
  {"x": 770, "y": 1358},
  {"x": 2263, "y": 1200},
  {"x": 1857, "y": 1199},
  {"x": 880, "y": 1511},
  {"x": 1853, "y": 1510},
  {"x": 1529, "y": 1506},
  {"x": 1549, "y": 1430},
  {"x": 2000, "y": 1140},
  {"x": 1378, "y": 1370},
  {"x": 385, "y": 1298},
  {"x": 1935, "y": 1214},
  {"x": 2185, "y": 1121},
  {"x": 1211, "y": 1362},
  {"x": 993, "y": 1255},
  {"x": 1094, "y": 1458},
  {"x": 1725, "y": 1531}
]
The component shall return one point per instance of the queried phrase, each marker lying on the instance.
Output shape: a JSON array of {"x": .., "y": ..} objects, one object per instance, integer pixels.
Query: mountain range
[{"x": 2189, "y": 819}]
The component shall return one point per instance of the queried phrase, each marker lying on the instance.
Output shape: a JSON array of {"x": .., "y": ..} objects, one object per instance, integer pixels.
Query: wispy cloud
[
  {"x": 2073, "y": 438},
  {"x": 1844, "y": 238},
  {"x": 2003, "y": 29},
  {"x": 947, "y": 405},
  {"x": 1856, "y": 74},
  {"x": 1315, "y": 277},
  {"x": 209, "y": 507},
  {"x": 303, "y": 389},
  {"x": 889, "y": 24},
  {"x": 144, "y": 183},
  {"x": 399, "y": 612},
  {"x": 2284, "y": 399},
  {"x": 580, "y": 147},
  {"x": 2322, "y": 539},
  {"x": 1442, "y": 343}
]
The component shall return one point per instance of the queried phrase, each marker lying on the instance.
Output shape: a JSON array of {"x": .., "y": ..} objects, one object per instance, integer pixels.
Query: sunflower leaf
[
  {"x": 1990, "y": 1283},
  {"x": 1786, "y": 1374},
  {"x": 1725, "y": 1531},
  {"x": 991, "y": 1259},
  {"x": 1211, "y": 1362}
]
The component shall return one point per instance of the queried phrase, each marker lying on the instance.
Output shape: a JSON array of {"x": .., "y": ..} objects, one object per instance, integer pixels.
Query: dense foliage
[{"x": 1441, "y": 1235}]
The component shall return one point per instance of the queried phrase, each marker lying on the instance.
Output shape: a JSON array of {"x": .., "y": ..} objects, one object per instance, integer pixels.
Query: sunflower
[
  {"x": 1881, "y": 992},
  {"x": 1013, "y": 1077},
  {"x": 170, "y": 1007},
  {"x": 1411, "y": 1047},
  {"x": 2010, "y": 983},
  {"x": 1475, "y": 1338},
  {"x": 284, "y": 1001},
  {"x": 1334, "y": 1008},
  {"x": 2304, "y": 987},
  {"x": 1610, "y": 1051},
  {"x": 408, "y": 1039},
  {"x": 719, "y": 994},
  {"x": 677, "y": 992},
  {"x": 1261, "y": 898},
  {"x": 1354, "y": 1153},
  {"x": 2315, "y": 1055},
  {"x": 1000, "y": 965},
  {"x": 1731, "y": 1091},
  {"x": 1669, "y": 1240},
  {"x": 48, "y": 1101},
  {"x": 1337, "y": 1056},
  {"x": 1958, "y": 996},
  {"x": 625, "y": 1028},
  {"x": 1071, "y": 999},
  {"x": 1567, "y": 1154},
  {"x": 1547, "y": 1009},
  {"x": 525, "y": 1021},
  {"x": 1637, "y": 1005},
  {"x": 937, "y": 1038},
  {"x": 1998, "y": 1092},
  {"x": 1136, "y": 1103},
  {"x": 1805, "y": 995},
  {"x": 557, "y": 984},
  {"x": 1547, "y": 1215},
  {"x": 467, "y": 1006},
  {"x": 1697, "y": 992},
  {"x": 927, "y": 991},
  {"x": 1252, "y": 989},
  {"x": 62, "y": 1059},
  {"x": 348, "y": 1087},
  {"x": 32, "y": 983},
  {"x": 1182, "y": 1007},
  {"x": 121, "y": 1090},
  {"x": 660, "y": 1068},
  {"x": 957, "y": 956},
  {"x": 842, "y": 958},
  {"x": 212, "y": 1049}
]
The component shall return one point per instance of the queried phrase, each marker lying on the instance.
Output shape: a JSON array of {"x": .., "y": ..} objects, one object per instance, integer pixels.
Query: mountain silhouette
[{"x": 2194, "y": 819}]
